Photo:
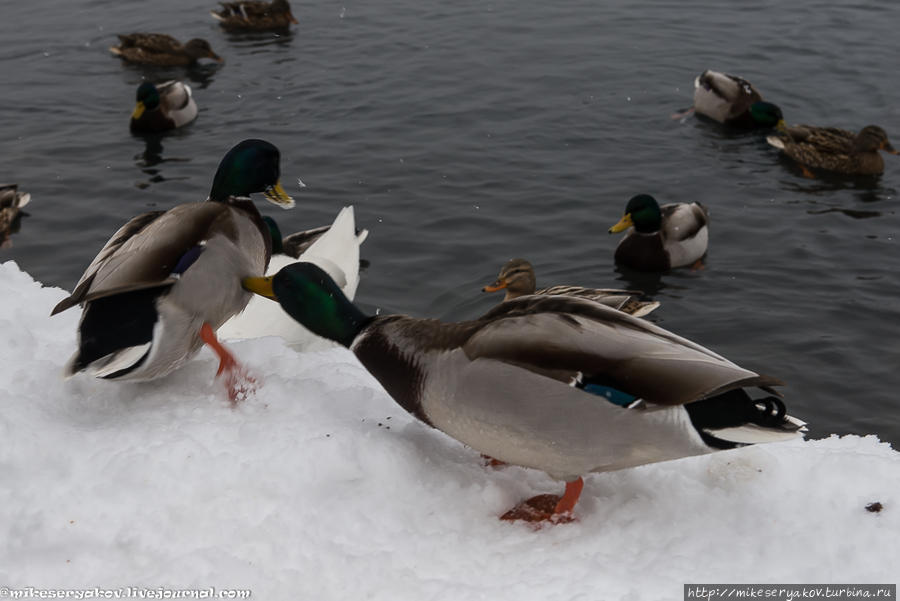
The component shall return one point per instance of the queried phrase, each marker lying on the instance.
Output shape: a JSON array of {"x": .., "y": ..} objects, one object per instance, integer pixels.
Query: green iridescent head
[
  {"x": 311, "y": 297},
  {"x": 251, "y": 166},
  {"x": 642, "y": 212},
  {"x": 147, "y": 99},
  {"x": 767, "y": 114}
]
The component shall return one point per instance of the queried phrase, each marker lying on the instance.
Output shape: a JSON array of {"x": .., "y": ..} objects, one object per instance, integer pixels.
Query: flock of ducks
[{"x": 567, "y": 380}]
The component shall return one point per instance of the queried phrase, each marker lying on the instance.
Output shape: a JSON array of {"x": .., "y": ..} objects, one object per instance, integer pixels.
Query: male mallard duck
[
  {"x": 334, "y": 248},
  {"x": 834, "y": 149},
  {"x": 517, "y": 278},
  {"x": 521, "y": 383},
  {"x": 167, "y": 280},
  {"x": 162, "y": 50},
  {"x": 664, "y": 237},
  {"x": 733, "y": 101},
  {"x": 11, "y": 203},
  {"x": 163, "y": 106},
  {"x": 255, "y": 15}
]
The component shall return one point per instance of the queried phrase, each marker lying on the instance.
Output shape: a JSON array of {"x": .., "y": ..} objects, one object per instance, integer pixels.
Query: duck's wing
[
  {"x": 611, "y": 297},
  {"x": 177, "y": 101},
  {"x": 683, "y": 221},
  {"x": 574, "y": 340},
  {"x": 150, "y": 42},
  {"x": 337, "y": 251},
  {"x": 824, "y": 139},
  {"x": 295, "y": 244},
  {"x": 146, "y": 252}
]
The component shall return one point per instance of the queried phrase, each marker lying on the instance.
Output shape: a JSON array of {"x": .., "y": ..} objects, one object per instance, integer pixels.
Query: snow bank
[{"x": 319, "y": 487}]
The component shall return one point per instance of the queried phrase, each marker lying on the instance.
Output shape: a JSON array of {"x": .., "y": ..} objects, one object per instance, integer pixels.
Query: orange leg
[
  {"x": 807, "y": 173},
  {"x": 548, "y": 508},
  {"x": 238, "y": 383},
  {"x": 682, "y": 114},
  {"x": 570, "y": 497}
]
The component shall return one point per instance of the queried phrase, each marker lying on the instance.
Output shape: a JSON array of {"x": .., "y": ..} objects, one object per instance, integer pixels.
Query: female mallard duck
[
  {"x": 334, "y": 248},
  {"x": 733, "y": 101},
  {"x": 517, "y": 278},
  {"x": 11, "y": 203},
  {"x": 521, "y": 383},
  {"x": 834, "y": 149},
  {"x": 255, "y": 15},
  {"x": 163, "y": 106},
  {"x": 167, "y": 280},
  {"x": 664, "y": 237},
  {"x": 162, "y": 50}
]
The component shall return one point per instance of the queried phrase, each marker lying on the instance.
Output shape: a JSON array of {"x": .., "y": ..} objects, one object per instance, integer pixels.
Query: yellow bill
[
  {"x": 276, "y": 195},
  {"x": 138, "y": 110},
  {"x": 261, "y": 286},
  {"x": 624, "y": 223}
]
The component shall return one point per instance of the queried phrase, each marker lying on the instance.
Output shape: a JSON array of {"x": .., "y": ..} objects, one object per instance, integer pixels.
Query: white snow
[{"x": 303, "y": 492}]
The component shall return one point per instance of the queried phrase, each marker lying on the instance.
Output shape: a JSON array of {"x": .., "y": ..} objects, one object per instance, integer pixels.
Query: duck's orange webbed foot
[
  {"x": 238, "y": 383},
  {"x": 553, "y": 509}
]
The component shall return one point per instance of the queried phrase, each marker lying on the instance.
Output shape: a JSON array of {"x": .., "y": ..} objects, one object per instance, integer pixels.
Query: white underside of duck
[
  {"x": 337, "y": 253},
  {"x": 689, "y": 250}
]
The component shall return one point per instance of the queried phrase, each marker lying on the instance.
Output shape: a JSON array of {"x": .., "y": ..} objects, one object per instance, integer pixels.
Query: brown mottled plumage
[
  {"x": 833, "y": 149},
  {"x": 162, "y": 50},
  {"x": 517, "y": 278},
  {"x": 11, "y": 203},
  {"x": 254, "y": 15}
]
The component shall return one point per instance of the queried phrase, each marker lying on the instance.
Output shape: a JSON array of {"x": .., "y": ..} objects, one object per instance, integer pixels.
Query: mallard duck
[
  {"x": 254, "y": 15},
  {"x": 167, "y": 280},
  {"x": 163, "y": 106},
  {"x": 517, "y": 278},
  {"x": 11, "y": 203},
  {"x": 556, "y": 383},
  {"x": 162, "y": 50},
  {"x": 834, "y": 149},
  {"x": 664, "y": 237},
  {"x": 733, "y": 101},
  {"x": 334, "y": 248}
]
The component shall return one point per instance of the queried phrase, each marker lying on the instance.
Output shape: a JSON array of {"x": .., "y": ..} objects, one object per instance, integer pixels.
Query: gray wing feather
[{"x": 631, "y": 354}]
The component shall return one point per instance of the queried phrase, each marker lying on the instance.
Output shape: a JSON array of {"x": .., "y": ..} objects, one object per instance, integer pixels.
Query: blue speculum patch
[
  {"x": 614, "y": 396},
  {"x": 187, "y": 259}
]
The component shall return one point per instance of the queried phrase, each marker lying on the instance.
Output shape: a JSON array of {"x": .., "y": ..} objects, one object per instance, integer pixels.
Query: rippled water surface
[{"x": 466, "y": 133}]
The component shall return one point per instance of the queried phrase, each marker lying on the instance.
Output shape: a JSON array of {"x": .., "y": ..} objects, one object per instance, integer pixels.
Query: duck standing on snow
[
  {"x": 833, "y": 149},
  {"x": 517, "y": 278},
  {"x": 167, "y": 280},
  {"x": 334, "y": 248},
  {"x": 556, "y": 383},
  {"x": 162, "y": 50},
  {"x": 11, "y": 203},
  {"x": 163, "y": 106},
  {"x": 733, "y": 101},
  {"x": 664, "y": 237},
  {"x": 255, "y": 15}
]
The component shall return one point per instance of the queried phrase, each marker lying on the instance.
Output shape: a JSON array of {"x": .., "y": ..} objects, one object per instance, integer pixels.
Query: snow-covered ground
[{"x": 320, "y": 487}]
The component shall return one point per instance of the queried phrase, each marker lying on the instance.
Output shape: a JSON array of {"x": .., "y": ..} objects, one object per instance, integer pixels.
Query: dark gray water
[{"x": 466, "y": 133}]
